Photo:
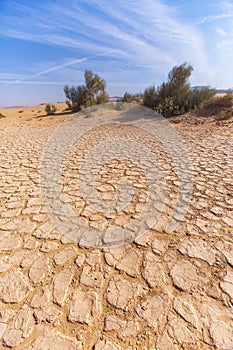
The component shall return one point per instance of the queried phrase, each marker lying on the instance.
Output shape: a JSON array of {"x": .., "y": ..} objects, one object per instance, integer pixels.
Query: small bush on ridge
[{"x": 50, "y": 109}]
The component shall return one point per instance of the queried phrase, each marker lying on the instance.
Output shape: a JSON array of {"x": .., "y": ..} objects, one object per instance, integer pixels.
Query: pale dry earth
[{"x": 162, "y": 291}]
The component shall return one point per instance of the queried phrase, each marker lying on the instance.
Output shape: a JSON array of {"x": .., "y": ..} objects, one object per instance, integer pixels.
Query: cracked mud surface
[{"x": 161, "y": 291}]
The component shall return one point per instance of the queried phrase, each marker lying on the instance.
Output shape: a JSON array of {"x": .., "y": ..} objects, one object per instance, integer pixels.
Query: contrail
[
  {"x": 57, "y": 67},
  {"x": 31, "y": 82},
  {"x": 52, "y": 69},
  {"x": 45, "y": 71}
]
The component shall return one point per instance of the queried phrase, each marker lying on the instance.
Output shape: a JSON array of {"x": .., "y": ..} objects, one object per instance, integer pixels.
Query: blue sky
[{"x": 131, "y": 44}]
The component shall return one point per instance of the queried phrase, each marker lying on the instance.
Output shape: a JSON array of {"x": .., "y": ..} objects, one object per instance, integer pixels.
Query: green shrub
[
  {"x": 127, "y": 97},
  {"x": 101, "y": 98},
  {"x": 175, "y": 96},
  {"x": 75, "y": 97},
  {"x": 90, "y": 94},
  {"x": 217, "y": 102},
  {"x": 216, "y": 106},
  {"x": 50, "y": 109},
  {"x": 150, "y": 97},
  {"x": 131, "y": 98}
]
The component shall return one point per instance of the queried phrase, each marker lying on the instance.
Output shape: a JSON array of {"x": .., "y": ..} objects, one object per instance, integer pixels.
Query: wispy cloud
[
  {"x": 214, "y": 18},
  {"x": 11, "y": 76},
  {"x": 133, "y": 34},
  {"x": 225, "y": 30}
]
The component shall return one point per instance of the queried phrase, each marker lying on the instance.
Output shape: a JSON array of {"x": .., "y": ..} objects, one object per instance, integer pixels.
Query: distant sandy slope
[{"x": 31, "y": 111}]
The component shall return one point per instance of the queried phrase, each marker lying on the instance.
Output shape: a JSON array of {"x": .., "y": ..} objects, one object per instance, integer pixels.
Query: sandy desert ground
[
  {"x": 159, "y": 290},
  {"x": 27, "y": 112}
]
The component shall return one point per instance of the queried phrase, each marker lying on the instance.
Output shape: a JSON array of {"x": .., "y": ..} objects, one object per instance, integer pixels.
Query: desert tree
[
  {"x": 82, "y": 96},
  {"x": 76, "y": 97},
  {"x": 175, "y": 96}
]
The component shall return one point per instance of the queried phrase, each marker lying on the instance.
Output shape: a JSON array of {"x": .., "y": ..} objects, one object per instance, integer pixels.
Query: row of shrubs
[
  {"x": 171, "y": 98},
  {"x": 175, "y": 96}
]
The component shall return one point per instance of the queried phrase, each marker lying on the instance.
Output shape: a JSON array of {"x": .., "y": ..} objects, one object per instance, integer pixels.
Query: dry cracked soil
[{"x": 157, "y": 290}]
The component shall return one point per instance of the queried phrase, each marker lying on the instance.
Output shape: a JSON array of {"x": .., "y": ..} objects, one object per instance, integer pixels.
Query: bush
[
  {"x": 150, "y": 97},
  {"x": 216, "y": 106},
  {"x": 2, "y": 116},
  {"x": 90, "y": 94},
  {"x": 175, "y": 96},
  {"x": 131, "y": 98},
  {"x": 50, "y": 109},
  {"x": 217, "y": 102},
  {"x": 102, "y": 98},
  {"x": 75, "y": 97},
  {"x": 127, "y": 97}
]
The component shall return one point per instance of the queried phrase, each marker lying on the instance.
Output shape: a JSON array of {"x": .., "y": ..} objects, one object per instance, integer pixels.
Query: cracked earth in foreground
[{"x": 165, "y": 291}]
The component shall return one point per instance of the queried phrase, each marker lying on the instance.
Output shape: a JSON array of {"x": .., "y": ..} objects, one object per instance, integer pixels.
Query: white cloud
[
  {"x": 214, "y": 18},
  {"x": 128, "y": 35},
  {"x": 225, "y": 31}
]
